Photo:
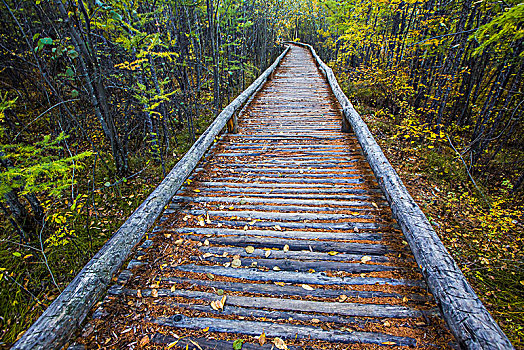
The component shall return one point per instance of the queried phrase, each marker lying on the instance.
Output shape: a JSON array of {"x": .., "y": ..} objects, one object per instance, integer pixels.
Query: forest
[{"x": 99, "y": 100}]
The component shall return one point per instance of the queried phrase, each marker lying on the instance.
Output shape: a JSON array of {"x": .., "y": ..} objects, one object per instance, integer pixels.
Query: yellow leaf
[
  {"x": 236, "y": 263},
  {"x": 262, "y": 339},
  {"x": 28, "y": 256},
  {"x": 268, "y": 253},
  {"x": 144, "y": 341},
  {"x": 250, "y": 249},
  {"x": 279, "y": 343},
  {"x": 154, "y": 293},
  {"x": 332, "y": 253},
  {"x": 196, "y": 190},
  {"x": 307, "y": 287},
  {"x": 276, "y": 268},
  {"x": 286, "y": 248},
  {"x": 173, "y": 288},
  {"x": 282, "y": 284},
  {"x": 139, "y": 293},
  {"x": 365, "y": 259},
  {"x": 205, "y": 329},
  {"x": 389, "y": 343}
]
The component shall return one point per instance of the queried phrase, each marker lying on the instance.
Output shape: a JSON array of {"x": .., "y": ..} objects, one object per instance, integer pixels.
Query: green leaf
[
  {"x": 115, "y": 16},
  {"x": 72, "y": 53},
  {"x": 46, "y": 41},
  {"x": 70, "y": 72},
  {"x": 237, "y": 344},
  {"x": 17, "y": 254},
  {"x": 107, "y": 184},
  {"x": 74, "y": 93}
]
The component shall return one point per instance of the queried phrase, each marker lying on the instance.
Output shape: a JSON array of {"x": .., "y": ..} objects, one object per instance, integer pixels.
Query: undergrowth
[
  {"x": 480, "y": 224},
  {"x": 32, "y": 273}
]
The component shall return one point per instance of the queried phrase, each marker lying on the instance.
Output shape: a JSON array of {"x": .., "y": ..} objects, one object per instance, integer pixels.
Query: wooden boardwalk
[{"x": 281, "y": 230}]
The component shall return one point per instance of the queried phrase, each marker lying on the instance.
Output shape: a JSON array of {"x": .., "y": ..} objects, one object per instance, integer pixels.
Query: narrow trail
[{"x": 286, "y": 221}]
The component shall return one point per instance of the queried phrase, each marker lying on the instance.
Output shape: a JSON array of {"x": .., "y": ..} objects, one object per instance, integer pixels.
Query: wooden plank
[
  {"x": 290, "y": 264},
  {"x": 466, "y": 316},
  {"x": 287, "y": 290},
  {"x": 282, "y": 234},
  {"x": 301, "y": 255},
  {"x": 341, "y": 204},
  {"x": 288, "y": 208},
  {"x": 66, "y": 313},
  {"x": 192, "y": 343},
  {"x": 296, "y": 277},
  {"x": 316, "y": 307},
  {"x": 285, "y": 331},
  {"x": 270, "y": 215},
  {"x": 296, "y": 244}
]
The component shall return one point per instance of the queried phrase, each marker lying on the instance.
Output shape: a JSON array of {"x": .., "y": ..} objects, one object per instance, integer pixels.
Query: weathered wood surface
[
  {"x": 466, "y": 316},
  {"x": 68, "y": 311},
  {"x": 316, "y": 260}
]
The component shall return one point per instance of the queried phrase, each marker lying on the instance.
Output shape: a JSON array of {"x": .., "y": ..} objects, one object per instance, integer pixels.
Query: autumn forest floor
[{"x": 486, "y": 243}]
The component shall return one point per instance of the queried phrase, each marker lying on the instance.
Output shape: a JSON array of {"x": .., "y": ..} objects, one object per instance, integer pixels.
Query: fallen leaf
[
  {"x": 173, "y": 288},
  {"x": 154, "y": 293},
  {"x": 282, "y": 284},
  {"x": 332, "y": 253},
  {"x": 374, "y": 204},
  {"x": 387, "y": 324},
  {"x": 250, "y": 249},
  {"x": 262, "y": 339},
  {"x": 196, "y": 190},
  {"x": 389, "y": 343},
  {"x": 237, "y": 344},
  {"x": 206, "y": 242},
  {"x": 236, "y": 263},
  {"x": 210, "y": 276},
  {"x": 220, "y": 292},
  {"x": 365, "y": 259},
  {"x": 276, "y": 268},
  {"x": 139, "y": 293},
  {"x": 268, "y": 253},
  {"x": 205, "y": 329},
  {"x": 144, "y": 341},
  {"x": 342, "y": 297},
  {"x": 179, "y": 241},
  {"x": 286, "y": 248},
  {"x": 355, "y": 229},
  {"x": 307, "y": 287},
  {"x": 207, "y": 255},
  {"x": 279, "y": 343},
  {"x": 277, "y": 227},
  {"x": 315, "y": 320}
]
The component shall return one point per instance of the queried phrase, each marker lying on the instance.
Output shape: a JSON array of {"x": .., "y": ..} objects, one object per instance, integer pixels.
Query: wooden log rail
[
  {"x": 466, "y": 316},
  {"x": 67, "y": 313}
]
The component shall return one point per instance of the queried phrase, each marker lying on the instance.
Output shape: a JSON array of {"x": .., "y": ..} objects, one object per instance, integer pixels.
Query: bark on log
[
  {"x": 65, "y": 315},
  {"x": 466, "y": 316}
]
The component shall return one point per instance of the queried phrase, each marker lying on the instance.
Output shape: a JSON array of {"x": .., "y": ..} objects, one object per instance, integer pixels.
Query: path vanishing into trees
[{"x": 282, "y": 237}]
